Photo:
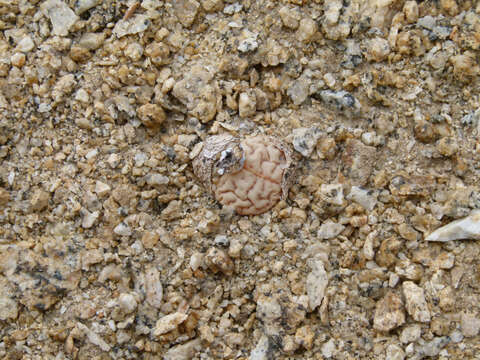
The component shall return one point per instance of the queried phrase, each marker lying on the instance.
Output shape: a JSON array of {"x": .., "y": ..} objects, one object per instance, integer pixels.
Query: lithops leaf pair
[{"x": 250, "y": 175}]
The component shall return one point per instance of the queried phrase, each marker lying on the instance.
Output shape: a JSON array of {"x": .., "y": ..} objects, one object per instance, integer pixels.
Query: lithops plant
[{"x": 250, "y": 175}]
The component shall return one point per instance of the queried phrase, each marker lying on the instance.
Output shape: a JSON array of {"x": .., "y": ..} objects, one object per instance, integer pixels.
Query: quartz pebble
[
  {"x": 305, "y": 140},
  {"x": 389, "y": 313},
  {"x": 394, "y": 352},
  {"x": 378, "y": 49},
  {"x": 329, "y": 230},
  {"x": 317, "y": 282},
  {"x": 470, "y": 324},
  {"x": 341, "y": 100},
  {"x": 306, "y": 29},
  {"x": 89, "y": 219},
  {"x": 83, "y": 5},
  {"x": 8, "y": 304},
  {"x": 18, "y": 60},
  {"x": 299, "y": 90},
  {"x": 217, "y": 260},
  {"x": 248, "y": 43},
  {"x": 153, "y": 287},
  {"x": 186, "y": 10},
  {"x": 101, "y": 188},
  {"x": 411, "y": 333},
  {"x": 198, "y": 92},
  {"x": 416, "y": 304},
  {"x": 26, "y": 44},
  {"x": 127, "y": 302},
  {"x": 122, "y": 229},
  {"x": 364, "y": 197},
  {"x": 433, "y": 347},
  {"x": 136, "y": 24},
  {"x": 168, "y": 323},
  {"x": 262, "y": 350},
  {"x": 60, "y": 15},
  {"x": 184, "y": 351},
  {"x": 290, "y": 17},
  {"x": 467, "y": 228},
  {"x": 93, "y": 337},
  {"x": 246, "y": 104}
]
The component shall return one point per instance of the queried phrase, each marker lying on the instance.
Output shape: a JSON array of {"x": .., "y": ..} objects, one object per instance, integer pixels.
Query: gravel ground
[{"x": 112, "y": 248}]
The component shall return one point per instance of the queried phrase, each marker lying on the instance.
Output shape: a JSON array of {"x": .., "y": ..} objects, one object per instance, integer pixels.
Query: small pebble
[
  {"x": 127, "y": 303},
  {"x": 416, "y": 304},
  {"x": 168, "y": 323},
  {"x": 25, "y": 45},
  {"x": 18, "y": 60},
  {"x": 60, "y": 15},
  {"x": 122, "y": 229}
]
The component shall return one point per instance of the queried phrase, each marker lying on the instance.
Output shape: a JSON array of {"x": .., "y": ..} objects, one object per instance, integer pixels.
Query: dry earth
[{"x": 111, "y": 248}]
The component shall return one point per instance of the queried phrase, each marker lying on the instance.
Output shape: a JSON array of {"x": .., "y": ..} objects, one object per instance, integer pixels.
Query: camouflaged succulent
[{"x": 250, "y": 175}]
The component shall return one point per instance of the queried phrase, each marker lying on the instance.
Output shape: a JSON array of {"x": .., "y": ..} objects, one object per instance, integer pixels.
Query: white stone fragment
[
  {"x": 261, "y": 350},
  {"x": 89, "y": 218},
  {"x": 394, "y": 352},
  {"x": 83, "y": 5},
  {"x": 328, "y": 348},
  {"x": 113, "y": 160},
  {"x": 153, "y": 288},
  {"x": 466, "y": 228},
  {"x": 299, "y": 89},
  {"x": 249, "y": 43},
  {"x": 389, "y": 313},
  {"x": 61, "y": 16},
  {"x": 157, "y": 179},
  {"x": 82, "y": 96},
  {"x": 433, "y": 347},
  {"x": 232, "y": 9},
  {"x": 332, "y": 193},
  {"x": 101, "y": 188},
  {"x": 8, "y": 305},
  {"x": 127, "y": 302},
  {"x": 456, "y": 336},
  {"x": 122, "y": 229},
  {"x": 368, "y": 246},
  {"x": 136, "y": 24},
  {"x": 363, "y": 197},
  {"x": 93, "y": 337},
  {"x": 247, "y": 104},
  {"x": 415, "y": 302},
  {"x": 411, "y": 333},
  {"x": 470, "y": 324},
  {"x": 184, "y": 351},
  {"x": 341, "y": 100},
  {"x": 329, "y": 230},
  {"x": 196, "y": 260},
  {"x": 169, "y": 323},
  {"x": 26, "y": 44},
  {"x": 305, "y": 139},
  {"x": 317, "y": 282}
]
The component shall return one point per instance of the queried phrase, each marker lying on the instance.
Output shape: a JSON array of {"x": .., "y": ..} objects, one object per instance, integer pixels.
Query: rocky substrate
[{"x": 112, "y": 248}]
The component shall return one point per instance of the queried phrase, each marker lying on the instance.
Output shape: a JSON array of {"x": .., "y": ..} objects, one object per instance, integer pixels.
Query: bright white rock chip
[
  {"x": 466, "y": 228},
  {"x": 61, "y": 16}
]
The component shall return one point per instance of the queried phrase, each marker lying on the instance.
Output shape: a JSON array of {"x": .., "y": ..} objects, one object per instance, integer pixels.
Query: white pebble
[
  {"x": 122, "y": 229},
  {"x": 127, "y": 302},
  {"x": 26, "y": 44},
  {"x": 101, "y": 188},
  {"x": 82, "y": 96},
  {"x": 466, "y": 228}
]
